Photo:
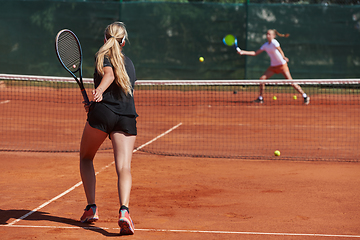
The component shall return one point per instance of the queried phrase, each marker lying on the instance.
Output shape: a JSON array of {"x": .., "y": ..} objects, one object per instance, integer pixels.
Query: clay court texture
[
  {"x": 181, "y": 198},
  {"x": 202, "y": 168}
]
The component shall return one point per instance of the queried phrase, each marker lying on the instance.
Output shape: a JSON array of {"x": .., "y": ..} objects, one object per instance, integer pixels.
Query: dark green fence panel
[{"x": 167, "y": 39}]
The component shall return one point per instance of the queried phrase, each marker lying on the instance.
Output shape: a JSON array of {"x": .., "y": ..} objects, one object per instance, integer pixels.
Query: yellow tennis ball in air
[
  {"x": 274, "y": 97},
  {"x": 294, "y": 97},
  {"x": 277, "y": 153},
  {"x": 201, "y": 59}
]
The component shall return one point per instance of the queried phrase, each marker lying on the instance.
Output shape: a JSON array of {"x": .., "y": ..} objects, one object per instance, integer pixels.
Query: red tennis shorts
[{"x": 279, "y": 69}]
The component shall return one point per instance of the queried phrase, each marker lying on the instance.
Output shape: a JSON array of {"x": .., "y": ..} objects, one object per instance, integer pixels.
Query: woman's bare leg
[
  {"x": 287, "y": 75},
  {"x": 266, "y": 75},
  {"x": 91, "y": 141},
  {"x": 123, "y": 145}
]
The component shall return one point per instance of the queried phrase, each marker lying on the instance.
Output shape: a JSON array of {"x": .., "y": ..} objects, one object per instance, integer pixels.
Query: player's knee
[
  {"x": 263, "y": 77},
  {"x": 124, "y": 171},
  {"x": 86, "y": 157}
]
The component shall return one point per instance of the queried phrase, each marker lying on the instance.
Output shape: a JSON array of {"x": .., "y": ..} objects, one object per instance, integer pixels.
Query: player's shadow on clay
[{"x": 12, "y": 214}]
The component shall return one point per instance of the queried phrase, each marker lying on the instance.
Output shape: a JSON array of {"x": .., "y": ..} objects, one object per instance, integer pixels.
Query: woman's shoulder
[
  {"x": 264, "y": 45},
  {"x": 128, "y": 62},
  {"x": 275, "y": 42},
  {"x": 130, "y": 68}
]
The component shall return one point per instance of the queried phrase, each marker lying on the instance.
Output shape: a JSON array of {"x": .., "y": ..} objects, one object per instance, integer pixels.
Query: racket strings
[{"x": 69, "y": 51}]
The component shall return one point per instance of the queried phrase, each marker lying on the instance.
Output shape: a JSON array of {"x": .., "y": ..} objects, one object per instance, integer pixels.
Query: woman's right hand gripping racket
[
  {"x": 231, "y": 41},
  {"x": 68, "y": 51}
]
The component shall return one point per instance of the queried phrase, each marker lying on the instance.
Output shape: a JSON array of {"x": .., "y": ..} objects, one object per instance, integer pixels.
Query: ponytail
[
  {"x": 280, "y": 34},
  {"x": 115, "y": 35}
]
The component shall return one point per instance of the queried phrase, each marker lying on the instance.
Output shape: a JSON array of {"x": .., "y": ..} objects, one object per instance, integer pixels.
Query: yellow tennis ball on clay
[
  {"x": 274, "y": 97},
  {"x": 277, "y": 153},
  {"x": 201, "y": 59},
  {"x": 294, "y": 97}
]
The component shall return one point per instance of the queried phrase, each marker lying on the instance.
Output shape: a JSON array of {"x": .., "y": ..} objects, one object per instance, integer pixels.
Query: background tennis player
[
  {"x": 112, "y": 113},
  {"x": 278, "y": 63}
]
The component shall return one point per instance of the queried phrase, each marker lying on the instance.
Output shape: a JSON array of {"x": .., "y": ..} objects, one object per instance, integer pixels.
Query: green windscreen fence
[{"x": 167, "y": 39}]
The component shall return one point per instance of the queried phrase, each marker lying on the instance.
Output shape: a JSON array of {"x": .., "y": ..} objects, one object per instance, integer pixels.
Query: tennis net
[{"x": 210, "y": 118}]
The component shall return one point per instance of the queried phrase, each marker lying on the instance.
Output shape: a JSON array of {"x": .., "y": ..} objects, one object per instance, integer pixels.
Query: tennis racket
[
  {"x": 231, "y": 41},
  {"x": 68, "y": 51}
]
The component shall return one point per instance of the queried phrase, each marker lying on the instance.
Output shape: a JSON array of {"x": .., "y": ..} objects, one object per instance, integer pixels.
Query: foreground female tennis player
[
  {"x": 113, "y": 114},
  {"x": 278, "y": 63}
]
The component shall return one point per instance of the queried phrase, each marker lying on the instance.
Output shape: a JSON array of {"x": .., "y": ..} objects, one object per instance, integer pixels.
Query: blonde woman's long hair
[{"x": 115, "y": 35}]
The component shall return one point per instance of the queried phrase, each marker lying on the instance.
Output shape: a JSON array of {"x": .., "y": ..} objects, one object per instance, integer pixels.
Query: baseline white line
[
  {"x": 193, "y": 231},
  {"x": 252, "y": 233},
  {"x": 45, "y": 204},
  {"x": 79, "y": 183},
  {"x": 6, "y": 101}
]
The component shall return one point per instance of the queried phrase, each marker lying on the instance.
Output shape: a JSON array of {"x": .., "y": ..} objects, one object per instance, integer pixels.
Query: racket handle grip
[
  {"x": 238, "y": 49},
  {"x": 85, "y": 96}
]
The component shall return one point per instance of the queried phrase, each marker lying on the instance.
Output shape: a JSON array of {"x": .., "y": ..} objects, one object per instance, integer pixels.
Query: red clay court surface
[{"x": 182, "y": 198}]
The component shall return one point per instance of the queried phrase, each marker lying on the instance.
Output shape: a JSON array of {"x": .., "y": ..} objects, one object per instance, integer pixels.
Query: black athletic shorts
[{"x": 102, "y": 118}]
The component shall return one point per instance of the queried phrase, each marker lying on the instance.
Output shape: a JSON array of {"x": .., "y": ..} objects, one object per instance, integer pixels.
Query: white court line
[
  {"x": 6, "y": 101},
  {"x": 195, "y": 231},
  {"x": 79, "y": 183},
  {"x": 161, "y": 135}
]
